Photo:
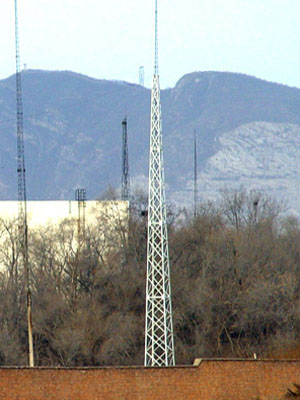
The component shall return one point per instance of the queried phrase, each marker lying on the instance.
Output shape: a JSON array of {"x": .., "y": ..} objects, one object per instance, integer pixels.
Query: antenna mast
[
  {"x": 80, "y": 197},
  {"x": 125, "y": 166},
  {"x": 159, "y": 341},
  {"x": 22, "y": 206},
  {"x": 195, "y": 176},
  {"x": 142, "y": 76}
]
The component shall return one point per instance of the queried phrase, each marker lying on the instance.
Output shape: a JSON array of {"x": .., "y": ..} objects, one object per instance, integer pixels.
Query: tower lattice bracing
[
  {"x": 22, "y": 207},
  {"x": 125, "y": 195},
  {"x": 159, "y": 342}
]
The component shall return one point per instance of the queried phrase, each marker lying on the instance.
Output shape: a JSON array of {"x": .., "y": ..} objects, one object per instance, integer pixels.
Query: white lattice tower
[{"x": 159, "y": 342}]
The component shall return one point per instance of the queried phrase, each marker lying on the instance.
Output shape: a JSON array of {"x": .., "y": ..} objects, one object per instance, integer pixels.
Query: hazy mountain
[{"x": 247, "y": 130}]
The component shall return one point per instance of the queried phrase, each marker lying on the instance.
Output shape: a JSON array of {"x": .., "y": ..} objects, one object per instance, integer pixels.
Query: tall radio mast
[
  {"x": 195, "y": 176},
  {"x": 22, "y": 206},
  {"x": 159, "y": 341},
  {"x": 125, "y": 195}
]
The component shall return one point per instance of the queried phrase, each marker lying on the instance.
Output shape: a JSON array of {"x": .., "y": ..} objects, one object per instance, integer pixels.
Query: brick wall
[{"x": 211, "y": 380}]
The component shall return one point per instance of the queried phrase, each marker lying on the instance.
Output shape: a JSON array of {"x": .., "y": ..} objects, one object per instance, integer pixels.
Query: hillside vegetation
[{"x": 235, "y": 286}]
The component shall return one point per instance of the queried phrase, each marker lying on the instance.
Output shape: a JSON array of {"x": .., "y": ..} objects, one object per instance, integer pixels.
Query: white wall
[{"x": 53, "y": 212}]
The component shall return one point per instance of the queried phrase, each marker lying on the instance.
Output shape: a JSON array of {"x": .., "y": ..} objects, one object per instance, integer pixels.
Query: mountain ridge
[{"x": 72, "y": 128}]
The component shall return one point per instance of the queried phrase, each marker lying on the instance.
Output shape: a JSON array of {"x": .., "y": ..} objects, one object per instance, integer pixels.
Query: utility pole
[
  {"x": 159, "y": 341},
  {"x": 195, "y": 176},
  {"x": 125, "y": 195},
  {"x": 22, "y": 205}
]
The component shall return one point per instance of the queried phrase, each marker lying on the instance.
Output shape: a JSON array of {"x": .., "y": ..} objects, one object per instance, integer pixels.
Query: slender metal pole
[
  {"x": 195, "y": 176},
  {"x": 22, "y": 204}
]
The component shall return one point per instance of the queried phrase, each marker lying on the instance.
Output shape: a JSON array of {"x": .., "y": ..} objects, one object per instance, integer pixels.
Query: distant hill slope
[{"x": 73, "y": 134}]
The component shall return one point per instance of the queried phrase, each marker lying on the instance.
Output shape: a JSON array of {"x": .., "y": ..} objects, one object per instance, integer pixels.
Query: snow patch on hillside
[{"x": 259, "y": 155}]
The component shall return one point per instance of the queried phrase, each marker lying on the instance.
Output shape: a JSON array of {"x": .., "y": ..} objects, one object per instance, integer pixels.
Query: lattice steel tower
[
  {"x": 159, "y": 342},
  {"x": 125, "y": 195},
  {"x": 22, "y": 207},
  {"x": 80, "y": 197}
]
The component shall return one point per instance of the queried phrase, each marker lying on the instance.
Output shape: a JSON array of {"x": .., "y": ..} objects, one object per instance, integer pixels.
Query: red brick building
[{"x": 210, "y": 380}]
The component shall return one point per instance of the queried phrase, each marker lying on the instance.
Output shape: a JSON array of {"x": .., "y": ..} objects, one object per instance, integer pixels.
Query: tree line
[{"x": 235, "y": 276}]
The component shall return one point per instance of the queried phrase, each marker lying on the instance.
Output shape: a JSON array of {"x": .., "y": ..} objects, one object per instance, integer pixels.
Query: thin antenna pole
[
  {"x": 195, "y": 176},
  {"x": 22, "y": 204},
  {"x": 156, "y": 41}
]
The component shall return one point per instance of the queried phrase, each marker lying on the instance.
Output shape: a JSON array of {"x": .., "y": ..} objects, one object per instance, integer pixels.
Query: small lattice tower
[
  {"x": 159, "y": 342},
  {"x": 80, "y": 197},
  {"x": 125, "y": 184}
]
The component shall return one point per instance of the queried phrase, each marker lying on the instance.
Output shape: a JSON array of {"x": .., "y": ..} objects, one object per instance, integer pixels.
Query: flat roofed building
[
  {"x": 42, "y": 213},
  {"x": 69, "y": 223},
  {"x": 211, "y": 380}
]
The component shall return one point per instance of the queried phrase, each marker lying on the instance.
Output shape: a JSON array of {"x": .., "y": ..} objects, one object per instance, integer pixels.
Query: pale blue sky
[{"x": 111, "y": 39}]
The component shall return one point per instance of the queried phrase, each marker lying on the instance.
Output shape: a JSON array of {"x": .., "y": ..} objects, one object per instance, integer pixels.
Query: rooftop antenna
[
  {"x": 159, "y": 341},
  {"x": 125, "y": 195},
  {"x": 80, "y": 197},
  {"x": 22, "y": 205},
  {"x": 195, "y": 176},
  {"x": 142, "y": 76}
]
